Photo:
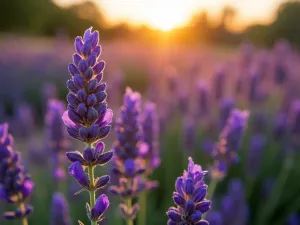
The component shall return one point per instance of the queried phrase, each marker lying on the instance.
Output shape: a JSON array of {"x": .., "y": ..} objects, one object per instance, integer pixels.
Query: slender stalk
[
  {"x": 143, "y": 209},
  {"x": 129, "y": 205},
  {"x": 92, "y": 193},
  {"x": 211, "y": 189},
  {"x": 22, "y": 208}
]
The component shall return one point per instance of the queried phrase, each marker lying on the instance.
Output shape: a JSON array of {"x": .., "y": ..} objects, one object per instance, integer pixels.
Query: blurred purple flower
[
  {"x": 189, "y": 135},
  {"x": 59, "y": 210},
  {"x": 203, "y": 98},
  {"x": 225, "y": 151},
  {"x": 189, "y": 197},
  {"x": 226, "y": 105},
  {"x": 129, "y": 153},
  {"x": 15, "y": 183},
  {"x": 151, "y": 136}
]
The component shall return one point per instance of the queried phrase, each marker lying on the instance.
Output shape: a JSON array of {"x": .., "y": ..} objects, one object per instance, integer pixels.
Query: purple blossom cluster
[
  {"x": 190, "y": 198},
  {"x": 225, "y": 151},
  {"x": 15, "y": 183},
  {"x": 130, "y": 152}
]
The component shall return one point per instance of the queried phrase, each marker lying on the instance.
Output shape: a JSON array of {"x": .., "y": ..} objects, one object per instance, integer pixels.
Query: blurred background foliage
[{"x": 44, "y": 17}]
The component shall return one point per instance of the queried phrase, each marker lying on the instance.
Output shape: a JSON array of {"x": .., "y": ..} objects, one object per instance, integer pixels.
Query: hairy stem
[
  {"x": 92, "y": 193},
  {"x": 143, "y": 209},
  {"x": 129, "y": 205},
  {"x": 23, "y": 209}
]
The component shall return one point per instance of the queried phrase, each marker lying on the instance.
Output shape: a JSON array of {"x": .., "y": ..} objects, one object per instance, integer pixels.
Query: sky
[{"x": 166, "y": 14}]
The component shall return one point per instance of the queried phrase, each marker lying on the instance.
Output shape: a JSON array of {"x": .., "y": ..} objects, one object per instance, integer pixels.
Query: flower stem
[
  {"x": 92, "y": 193},
  {"x": 211, "y": 189},
  {"x": 129, "y": 205},
  {"x": 22, "y": 208},
  {"x": 143, "y": 209}
]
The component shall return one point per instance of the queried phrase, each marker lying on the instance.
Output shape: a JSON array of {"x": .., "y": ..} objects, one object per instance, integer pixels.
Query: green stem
[
  {"x": 22, "y": 208},
  {"x": 270, "y": 205},
  {"x": 129, "y": 205},
  {"x": 92, "y": 192},
  {"x": 211, "y": 189},
  {"x": 143, "y": 209}
]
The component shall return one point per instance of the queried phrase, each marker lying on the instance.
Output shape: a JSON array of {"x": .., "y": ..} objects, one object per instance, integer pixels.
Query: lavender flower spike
[
  {"x": 189, "y": 198},
  {"x": 225, "y": 151},
  {"x": 60, "y": 210},
  {"x": 57, "y": 137},
  {"x": 15, "y": 184},
  {"x": 151, "y": 136},
  {"x": 88, "y": 118},
  {"x": 129, "y": 150}
]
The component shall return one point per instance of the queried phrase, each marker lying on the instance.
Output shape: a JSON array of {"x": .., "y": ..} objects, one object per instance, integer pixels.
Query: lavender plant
[
  {"x": 87, "y": 119},
  {"x": 129, "y": 149},
  {"x": 190, "y": 198},
  {"x": 150, "y": 124},
  {"x": 225, "y": 151},
  {"x": 57, "y": 138},
  {"x": 15, "y": 183}
]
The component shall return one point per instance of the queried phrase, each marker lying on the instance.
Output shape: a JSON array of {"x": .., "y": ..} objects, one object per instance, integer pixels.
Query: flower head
[
  {"x": 225, "y": 151},
  {"x": 15, "y": 183},
  {"x": 87, "y": 118},
  {"x": 189, "y": 197}
]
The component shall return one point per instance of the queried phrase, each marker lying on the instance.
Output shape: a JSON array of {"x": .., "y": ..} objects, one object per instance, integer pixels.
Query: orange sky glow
[{"x": 167, "y": 14}]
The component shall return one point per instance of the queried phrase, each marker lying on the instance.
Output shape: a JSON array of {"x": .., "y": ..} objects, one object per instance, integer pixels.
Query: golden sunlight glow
[{"x": 165, "y": 15}]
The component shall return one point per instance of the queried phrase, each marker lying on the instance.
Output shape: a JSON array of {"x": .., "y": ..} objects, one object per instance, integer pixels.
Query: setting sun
[{"x": 165, "y": 15}]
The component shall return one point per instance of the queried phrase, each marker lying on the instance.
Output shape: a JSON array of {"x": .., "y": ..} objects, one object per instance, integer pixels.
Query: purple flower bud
[
  {"x": 98, "y": 68},
  {"x": 91, "y": 100},
  {"x": 195, "y": 216},
  {"x": 97, "y": 51},
  {"x": 102, "y": 181},
  {"x": 73, "y": 70},
  {"x": 189, "y": 206},
  {"x": 78, "y": 45},
  {"x": 83, "y": 66},
  {"x": 203, "y": 206},
  {"x": 76, "y": 59},
  {"x": 81, "y": 95},
  {"x": 82, "y": 110},
  {"x": 88, "y": 74},
  {"x": 75, "y": 156},
  {"x": 178, "y": 199},
  {"x": 71, "y": 86},
  {"x": 88, "y": 155},
  {"x": 92, "y": 85},
  {"x": 92, "y": 115},
  {"x": 102, "y": 203},
  {"x": 77, "y": 172},
  {"x": 174, "y": 215},
  {"x": 78, "y": 81},
  {"x": 92, "y": 60},
  {"x": 72, "y": 99},
  {"x": 105, "y": 157}
]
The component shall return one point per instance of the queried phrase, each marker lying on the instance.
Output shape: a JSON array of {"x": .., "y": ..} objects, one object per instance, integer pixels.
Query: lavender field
[{"x": 133, "y": 131}]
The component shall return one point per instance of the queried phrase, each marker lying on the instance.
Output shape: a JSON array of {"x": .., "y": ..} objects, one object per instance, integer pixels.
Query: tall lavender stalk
[
  {"x": 87, "y": 119},
  {"x": 15, "y": 183},
  {"x": 57, "y": 138},
  {"x": 190, "y": 198},
  {"x": 150, "y": 125},
  {"x": 129, "y": 165},
  {"x": 225, "y": 151}
]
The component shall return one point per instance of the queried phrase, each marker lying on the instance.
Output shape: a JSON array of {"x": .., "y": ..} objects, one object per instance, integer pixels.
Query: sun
[{"x": 166, "y": 15}]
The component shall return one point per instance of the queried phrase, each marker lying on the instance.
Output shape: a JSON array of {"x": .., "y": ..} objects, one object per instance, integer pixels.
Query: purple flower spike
[
  {"x": 151, "y": 136},
  {"x": 15, "y": 184},
  {"x": 88, "y": 118},
  {"x": 190, "y": 197},
  {"x": 134, "y": 152},
  {"x": 225, "y": 151}
]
